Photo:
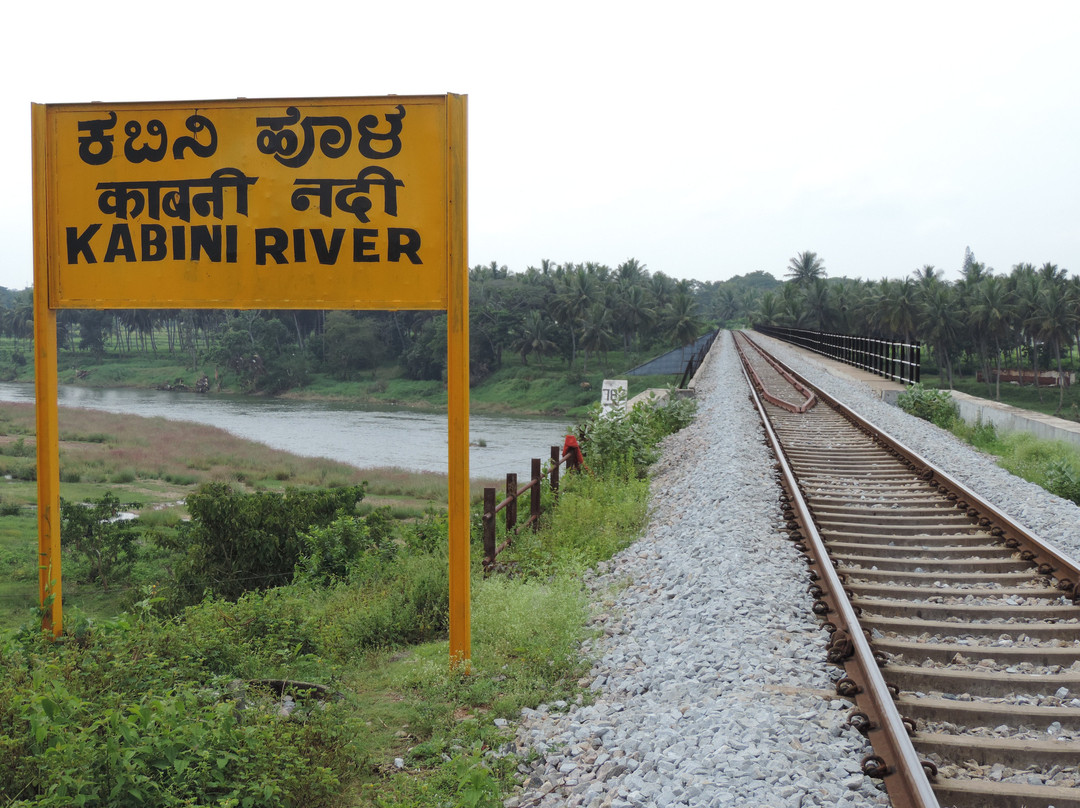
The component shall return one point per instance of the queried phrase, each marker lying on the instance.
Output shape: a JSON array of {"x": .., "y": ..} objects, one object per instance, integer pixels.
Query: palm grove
[
  {"x": 578, "y": 313},
  {"x": 572, "y": 314},
  {"x": 982, "y": 323}
]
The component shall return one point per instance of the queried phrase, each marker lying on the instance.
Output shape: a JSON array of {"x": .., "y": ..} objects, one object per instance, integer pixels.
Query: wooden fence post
[
  {"x": 556, "y": 459},
  {"x": 511, "y": 505},
  {"x": 489, "y": 527},
  {"x": 534, "y": 495}
]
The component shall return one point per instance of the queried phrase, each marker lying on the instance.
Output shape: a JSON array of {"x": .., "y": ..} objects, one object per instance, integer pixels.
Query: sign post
[
  {"x": 613, "y": 396},
  {"x": 324, "y": 203}
]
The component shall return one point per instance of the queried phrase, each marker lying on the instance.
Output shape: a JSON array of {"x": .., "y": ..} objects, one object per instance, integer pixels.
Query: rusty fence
[{"x": 509, "y": 505}]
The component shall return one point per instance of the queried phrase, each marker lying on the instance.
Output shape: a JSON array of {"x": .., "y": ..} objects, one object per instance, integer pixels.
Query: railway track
[{"x": 959, "y": 631}]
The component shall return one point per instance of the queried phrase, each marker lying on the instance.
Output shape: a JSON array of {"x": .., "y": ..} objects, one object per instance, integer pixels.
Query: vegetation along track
[{"x": 959, "y": 631}]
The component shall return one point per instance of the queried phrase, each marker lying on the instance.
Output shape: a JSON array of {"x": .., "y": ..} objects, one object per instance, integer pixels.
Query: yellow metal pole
[
  {"x": 45, "y": 394},
  {"x": 457, "y": 382}
]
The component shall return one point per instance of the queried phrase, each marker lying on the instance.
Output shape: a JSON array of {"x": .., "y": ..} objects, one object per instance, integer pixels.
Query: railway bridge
[{"x": 834, "y": 604}]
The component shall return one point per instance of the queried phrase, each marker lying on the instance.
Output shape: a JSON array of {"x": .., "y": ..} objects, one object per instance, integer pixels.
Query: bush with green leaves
[
  {"x": 629, "y": 437},
  {"x": 935, "y": 406},
  {"x": 103, "y": 719},
  {"x": 1063, "y": 479},
  {"x": 98, "y": 535},
  {"x": 330, "y": 551},
  {"x": 238, "y": 541}
]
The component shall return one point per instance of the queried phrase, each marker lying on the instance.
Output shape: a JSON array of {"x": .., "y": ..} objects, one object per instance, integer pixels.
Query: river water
[{"x": 361, "y": 437}]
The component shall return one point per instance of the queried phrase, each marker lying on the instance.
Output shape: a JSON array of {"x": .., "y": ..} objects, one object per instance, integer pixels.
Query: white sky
[{"x": 706, "y": 139}]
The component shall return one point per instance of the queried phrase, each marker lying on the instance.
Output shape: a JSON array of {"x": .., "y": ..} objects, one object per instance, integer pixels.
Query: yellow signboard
[
  {"x": 355, "y": 203},
  {"x": 297, "y": 203}
]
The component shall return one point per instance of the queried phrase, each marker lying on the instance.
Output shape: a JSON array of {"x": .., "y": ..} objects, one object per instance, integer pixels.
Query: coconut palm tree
[
  {"x": 769, "y": 310},
  {"x": 805, "y": 268},
  {"x": 680, "y": 321},
  {"x": 534, "y": 337},
  {"x": 578, "y": 293},
  {"x": 940, "y": 324},
  {"x": 898, "y": 308},
  {"x": 1054, "y": 321},
  {"x": 596, "y": 331},
  {"x": 817, "y": 303},
  {"x": 991, "y": 322},
  {"x": 634, "y": 313}
]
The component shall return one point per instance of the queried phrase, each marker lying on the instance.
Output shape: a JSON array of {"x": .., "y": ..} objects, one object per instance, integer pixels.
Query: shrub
[
  {"x": 935, "y": 406},
  {"x": 96, "y": 534},
  {"x": 1064, "y": 480},
  {"x": 630, "y": 437},
  {"x": 386, "y": 604},
  {"x": 236, "y": 541},
  {"x": 330, "y": 551},
  {"x": 101, "y": 722}
]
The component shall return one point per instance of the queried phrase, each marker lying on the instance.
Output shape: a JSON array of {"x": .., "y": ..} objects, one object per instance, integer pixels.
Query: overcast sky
[{"x": 704, "y": 139}]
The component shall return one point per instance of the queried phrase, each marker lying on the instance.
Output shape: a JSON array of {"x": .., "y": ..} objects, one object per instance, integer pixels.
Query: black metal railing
[{"x": 893, "y": 360}]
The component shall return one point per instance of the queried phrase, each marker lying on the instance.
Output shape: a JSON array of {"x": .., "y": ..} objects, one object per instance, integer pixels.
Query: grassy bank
[
  {"x": 151, "y": 465},
  {"x": 333, "y": 690}
]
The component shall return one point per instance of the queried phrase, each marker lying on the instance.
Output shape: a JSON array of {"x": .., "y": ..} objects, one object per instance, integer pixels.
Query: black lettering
[
  {"x": 208, "y": 240},
  {"x": 154, "y": 244},
  {"x": 79, "y": 244},
  {"x": 403, "y": 241},
  {"x": 299, "y": 246},
  {"x": 120, "y": 244},
  {"x": 270, "y": 241},
  {"x": 179, "y": 242},
  {"x": 368, "y": 137},
  {"x": 363, "y": 249},
  {"x": 95, "y": 147},
  {"x": 327, "y": 253},
  {"x": 151, "y": 152},
  {"x": 230, "y": 243},
  {"x": 196, "y": 124}
]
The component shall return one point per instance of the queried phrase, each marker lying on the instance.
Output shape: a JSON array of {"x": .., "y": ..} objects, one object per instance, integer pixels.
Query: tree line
[
  {"x": 576, "y": 313},
  {"x": 1028, "y": 318},
  {"x": 572, "y": 313}
]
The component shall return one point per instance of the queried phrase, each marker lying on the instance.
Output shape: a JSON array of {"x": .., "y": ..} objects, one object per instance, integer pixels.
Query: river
[{"x": 365, "y": 438}]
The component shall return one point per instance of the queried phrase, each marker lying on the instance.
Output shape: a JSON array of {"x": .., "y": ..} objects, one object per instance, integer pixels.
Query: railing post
[
  {"x": 534, "y": 498},
  {"x": 511, "y": 505},
  {"x": 555, "y": 461},
  {"x": 489, "y": 527}
]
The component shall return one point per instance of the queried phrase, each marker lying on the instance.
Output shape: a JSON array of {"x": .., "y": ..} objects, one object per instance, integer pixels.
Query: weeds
[{"x": 935, "y": 406}]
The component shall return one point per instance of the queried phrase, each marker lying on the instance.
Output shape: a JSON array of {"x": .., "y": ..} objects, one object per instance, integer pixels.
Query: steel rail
[
  {"x": 810, "y": 401},
  {"x": 1048, "y": 559},
  {"x": 900, "y": 767}
]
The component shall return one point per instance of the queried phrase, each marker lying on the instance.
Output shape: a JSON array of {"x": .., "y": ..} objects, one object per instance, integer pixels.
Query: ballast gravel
[{"x": 710, "y": 686}]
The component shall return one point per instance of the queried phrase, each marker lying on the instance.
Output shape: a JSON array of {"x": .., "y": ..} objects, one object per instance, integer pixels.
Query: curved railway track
[{"x": 958, "y": 630}]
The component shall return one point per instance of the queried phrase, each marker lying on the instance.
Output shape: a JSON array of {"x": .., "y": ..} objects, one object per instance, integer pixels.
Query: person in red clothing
[{"x": 576, "y": 459}]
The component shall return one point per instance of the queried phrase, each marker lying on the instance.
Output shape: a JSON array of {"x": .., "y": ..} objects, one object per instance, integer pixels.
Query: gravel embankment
[{"x": 710, "y": 686}]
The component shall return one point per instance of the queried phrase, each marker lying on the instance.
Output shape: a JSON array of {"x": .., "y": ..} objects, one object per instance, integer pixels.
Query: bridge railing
[
  {"x": 509, "y": 505},
  {"x": 898, "y": 361}
]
